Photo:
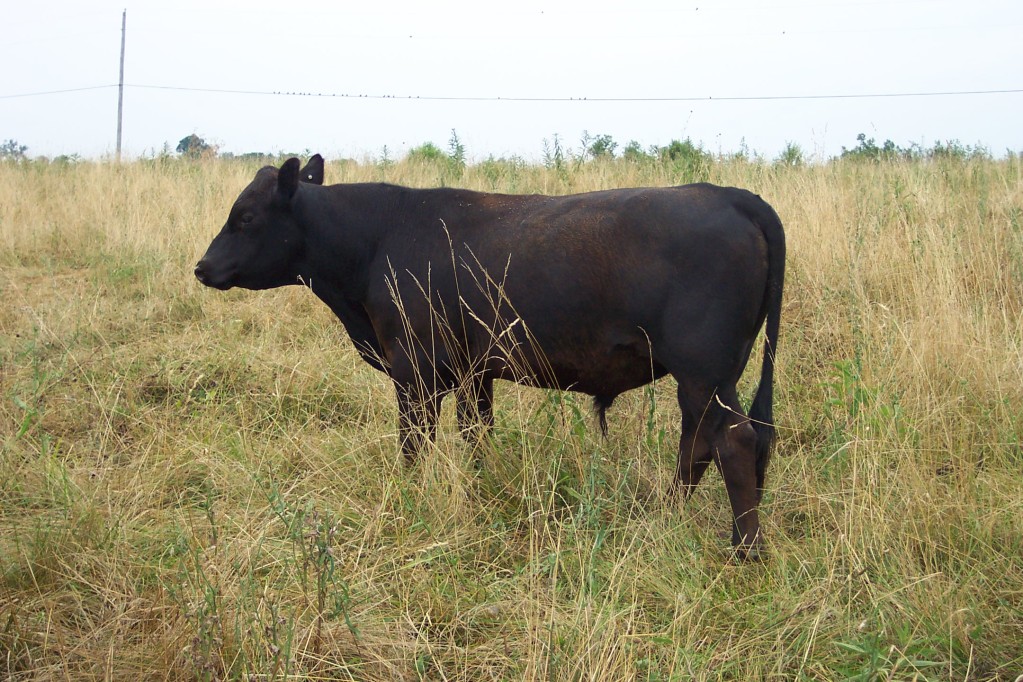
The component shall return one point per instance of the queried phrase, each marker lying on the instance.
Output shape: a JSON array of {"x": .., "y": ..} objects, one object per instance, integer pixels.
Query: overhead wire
[{"x": 494, "y": 98}]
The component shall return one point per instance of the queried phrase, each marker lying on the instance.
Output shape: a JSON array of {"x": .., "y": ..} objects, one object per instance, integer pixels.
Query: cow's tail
[
  {"x": 761, "y": 410},
  {"x": 600, "y": 405}
]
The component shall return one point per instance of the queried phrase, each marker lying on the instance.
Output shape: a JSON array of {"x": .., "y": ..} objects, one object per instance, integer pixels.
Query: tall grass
[{"x": 200, "y": 485}]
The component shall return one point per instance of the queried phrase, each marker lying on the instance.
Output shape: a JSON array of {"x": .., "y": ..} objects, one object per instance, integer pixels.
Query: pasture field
[{"x": 206, "y": 485}]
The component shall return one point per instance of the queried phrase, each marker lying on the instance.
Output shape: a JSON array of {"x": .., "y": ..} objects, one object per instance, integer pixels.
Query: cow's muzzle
[{"x": 202, "y": 273}]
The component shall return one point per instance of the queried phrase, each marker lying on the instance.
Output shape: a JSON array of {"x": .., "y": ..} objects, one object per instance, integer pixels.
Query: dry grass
[{"x": 197, "y": 485}]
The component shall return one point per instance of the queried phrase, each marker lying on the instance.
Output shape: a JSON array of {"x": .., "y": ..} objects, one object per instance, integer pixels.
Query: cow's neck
[{"x": 344, "y": 226}]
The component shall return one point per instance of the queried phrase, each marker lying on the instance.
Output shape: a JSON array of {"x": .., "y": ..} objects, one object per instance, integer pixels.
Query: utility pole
[{"x": 120, "y": 86}]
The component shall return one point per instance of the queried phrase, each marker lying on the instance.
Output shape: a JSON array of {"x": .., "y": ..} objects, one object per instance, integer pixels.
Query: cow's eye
[{"x": 247, "y": 218}]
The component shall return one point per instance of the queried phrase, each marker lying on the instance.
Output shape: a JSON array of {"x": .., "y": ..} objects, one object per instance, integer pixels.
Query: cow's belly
[{"x": 595, "y": 371}]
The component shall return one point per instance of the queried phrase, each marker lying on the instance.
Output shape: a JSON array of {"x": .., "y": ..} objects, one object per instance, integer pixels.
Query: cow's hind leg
[
  {"x": 733, "y": 447},
  {"x": 714, "y": 429},
  {"x": 694, "y": 454}
]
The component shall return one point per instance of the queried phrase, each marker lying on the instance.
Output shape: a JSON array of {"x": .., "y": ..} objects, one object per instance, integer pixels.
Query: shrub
[{"x": 10, "y": 150}]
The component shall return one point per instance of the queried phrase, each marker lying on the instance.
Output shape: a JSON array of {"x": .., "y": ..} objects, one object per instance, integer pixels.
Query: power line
[
  {"x": 58, "y": 92},
  {"x": 457, "y": 98},
  {"x": 453, "y": 98}
]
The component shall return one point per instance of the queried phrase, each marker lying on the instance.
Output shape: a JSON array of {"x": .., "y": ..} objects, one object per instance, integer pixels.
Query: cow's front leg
[
  {"x": 475, "y": 407},
  {"x": 417, "y": 420}
]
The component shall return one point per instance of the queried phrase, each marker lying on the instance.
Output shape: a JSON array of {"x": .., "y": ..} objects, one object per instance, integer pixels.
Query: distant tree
[
  {"x": 257, "y": 156},
  {"x": 10, "y": 150},
  {"x": 866, "y": 149},
  {"x": 253, "y": 157},
  {"x": 634, "y": 152},
  {"x": 599, "y": 146},
  {"x": 688, "y": 160},
  {"x": 456, "y": 150},
  {"x": 955, "y": 150},
  {"x": 496, "y": 170},
  {"x": 194, "y": 147},
  {"x": 684, "y": 150},
  {"x": 427, "y": 151},
  {"x": 791, "y": 156}
]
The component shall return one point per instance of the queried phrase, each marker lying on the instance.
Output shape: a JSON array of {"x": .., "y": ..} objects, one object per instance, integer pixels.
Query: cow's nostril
[{"x": 200, "y": 271}]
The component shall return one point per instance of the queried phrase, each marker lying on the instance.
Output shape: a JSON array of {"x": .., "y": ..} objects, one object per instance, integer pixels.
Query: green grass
[{"x": 207, "y": 485}]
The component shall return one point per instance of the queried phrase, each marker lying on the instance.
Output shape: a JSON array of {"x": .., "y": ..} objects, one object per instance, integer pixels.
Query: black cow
[{"x": 447, "y": 289}]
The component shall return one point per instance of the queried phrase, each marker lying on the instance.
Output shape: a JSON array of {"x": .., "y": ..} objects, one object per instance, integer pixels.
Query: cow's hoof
[{"x": 754, "y": 553}]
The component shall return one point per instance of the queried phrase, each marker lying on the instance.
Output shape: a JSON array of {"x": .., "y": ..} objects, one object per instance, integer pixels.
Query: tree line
[{"x": 555, "y": 153}]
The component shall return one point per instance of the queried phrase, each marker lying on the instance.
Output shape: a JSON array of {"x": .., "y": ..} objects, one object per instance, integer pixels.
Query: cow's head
[{"x": 261, "y": 242}]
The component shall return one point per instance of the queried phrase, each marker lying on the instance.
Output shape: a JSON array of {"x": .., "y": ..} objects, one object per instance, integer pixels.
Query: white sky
[{"x": 643, "y": 49}]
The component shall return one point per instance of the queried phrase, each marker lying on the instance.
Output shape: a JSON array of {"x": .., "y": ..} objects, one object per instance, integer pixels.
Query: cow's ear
[
  {"x": 287, "y": 180},
  {"x": 313, "y": 171}
]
